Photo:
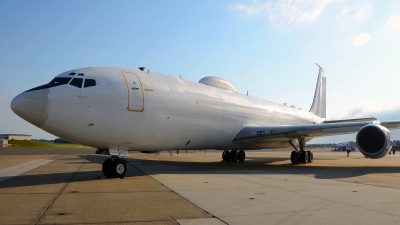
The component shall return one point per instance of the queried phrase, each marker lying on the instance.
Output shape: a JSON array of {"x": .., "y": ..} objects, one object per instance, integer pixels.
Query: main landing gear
[
  {"x": 233, "y": 155},
  {"x": 114, "y": 167},
  {"x": 301, "y": 156}
]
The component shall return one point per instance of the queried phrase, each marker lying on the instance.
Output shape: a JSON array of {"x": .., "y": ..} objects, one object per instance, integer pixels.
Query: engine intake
[{"x": 374, "y": 141}]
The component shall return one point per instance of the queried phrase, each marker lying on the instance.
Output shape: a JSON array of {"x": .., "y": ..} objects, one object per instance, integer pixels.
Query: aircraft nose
[{"x": 32, "y": 106}]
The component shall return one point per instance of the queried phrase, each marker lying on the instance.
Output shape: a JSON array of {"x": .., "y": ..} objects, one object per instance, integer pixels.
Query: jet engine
[{"x": 374, "y": 141}]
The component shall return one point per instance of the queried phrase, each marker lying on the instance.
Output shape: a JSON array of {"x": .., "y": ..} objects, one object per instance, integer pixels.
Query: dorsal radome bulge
[{"x": 218, "y": 83}]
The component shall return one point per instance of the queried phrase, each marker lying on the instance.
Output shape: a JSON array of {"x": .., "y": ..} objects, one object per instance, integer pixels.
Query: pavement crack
[
  {"x": 62, "y": 189},
  {"x": 212, "y": 215}
]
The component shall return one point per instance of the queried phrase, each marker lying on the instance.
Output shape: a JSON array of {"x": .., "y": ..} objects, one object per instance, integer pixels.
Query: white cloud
[
  {"x": 386, "y": 111},
  {"x": 284, "y": 12},
  {"x": 362, "y": 39},
  {"x": 337, "y": 94},
  {"x": 393, "y": 22},
  {"x": 356, "y": 12},
  {"x": 255, "y": 9}
]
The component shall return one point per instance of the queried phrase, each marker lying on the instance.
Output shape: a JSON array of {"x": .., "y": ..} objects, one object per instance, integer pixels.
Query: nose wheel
[{"x": 114, "y": 167}]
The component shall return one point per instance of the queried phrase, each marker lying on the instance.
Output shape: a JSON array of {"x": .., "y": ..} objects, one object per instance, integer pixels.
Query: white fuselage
[{"x": 143, "y": 111}]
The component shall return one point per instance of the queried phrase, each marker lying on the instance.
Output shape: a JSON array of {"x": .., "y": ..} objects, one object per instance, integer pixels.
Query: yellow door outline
[{"x": 129, "y": 92}]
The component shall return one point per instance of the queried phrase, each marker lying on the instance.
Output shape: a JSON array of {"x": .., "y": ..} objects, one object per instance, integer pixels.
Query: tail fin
[{"x": 318, "y": 106}]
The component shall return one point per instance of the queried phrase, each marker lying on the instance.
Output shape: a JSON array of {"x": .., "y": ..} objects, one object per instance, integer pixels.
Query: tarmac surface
[{"x": 66, "y": 186}]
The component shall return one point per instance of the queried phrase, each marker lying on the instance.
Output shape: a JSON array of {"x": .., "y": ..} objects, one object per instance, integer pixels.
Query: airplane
[{"x": 117, "y": 110}]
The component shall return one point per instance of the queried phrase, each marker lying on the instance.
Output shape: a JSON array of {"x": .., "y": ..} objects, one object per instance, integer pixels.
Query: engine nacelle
[{"x": 374, "y": 141}]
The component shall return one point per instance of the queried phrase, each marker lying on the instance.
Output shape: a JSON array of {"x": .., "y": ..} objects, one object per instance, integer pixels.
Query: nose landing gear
[{"x": 114, "y": 167}]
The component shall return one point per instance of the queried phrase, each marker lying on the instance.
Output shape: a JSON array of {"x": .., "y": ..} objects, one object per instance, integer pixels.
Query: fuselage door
[{"x": 135, "y": 92}]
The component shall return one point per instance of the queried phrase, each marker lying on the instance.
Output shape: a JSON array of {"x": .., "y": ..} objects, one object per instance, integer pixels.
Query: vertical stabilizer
[{"x": 318, "y": 106}]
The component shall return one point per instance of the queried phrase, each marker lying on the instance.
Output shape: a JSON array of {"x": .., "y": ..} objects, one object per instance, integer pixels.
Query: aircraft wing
[{"x": 259, "y": 134}]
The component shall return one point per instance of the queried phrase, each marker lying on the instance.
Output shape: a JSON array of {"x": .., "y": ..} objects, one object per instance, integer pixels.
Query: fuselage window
[
  {"x": 77, "y": 82},
  {"x": 53, "y": 83},
  {"x": 89, "y": 83}
]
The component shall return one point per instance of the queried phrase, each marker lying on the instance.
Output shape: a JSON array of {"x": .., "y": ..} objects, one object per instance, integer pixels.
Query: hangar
[{"x": 15, "y": 137}]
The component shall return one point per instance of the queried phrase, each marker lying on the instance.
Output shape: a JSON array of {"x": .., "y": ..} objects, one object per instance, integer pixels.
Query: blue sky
[{"x": 265, "y": 47}]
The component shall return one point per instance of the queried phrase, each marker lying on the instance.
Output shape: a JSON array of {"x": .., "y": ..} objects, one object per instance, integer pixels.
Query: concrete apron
[{"x": 273, "y": 193}]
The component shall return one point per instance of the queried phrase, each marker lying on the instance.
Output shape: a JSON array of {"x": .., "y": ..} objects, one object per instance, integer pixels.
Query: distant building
[
  {"x": 15, "y": 137},
  {"x": 3, "y": 143}
]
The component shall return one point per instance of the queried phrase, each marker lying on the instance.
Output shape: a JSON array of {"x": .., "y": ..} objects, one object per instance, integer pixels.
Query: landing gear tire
[
  {"x": 225, "y": 155},
  {"x": 118, "y": 168},
  {"x": 106, "y": 168},
  {"x": 294, "y": 157},
  {"x": 234, "y": 156},
  {"x": 301, "y": 156},
  {"x": 304, "y": 157},
  {"x": 310, "y": 156},
  {"x": 242, "y": 155}
]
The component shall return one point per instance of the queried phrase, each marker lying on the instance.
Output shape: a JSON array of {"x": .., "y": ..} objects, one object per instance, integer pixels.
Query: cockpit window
[
  {"x": 71, "y": 74},
  {"x": 80, "y": 74},
  {"x": 77, "y": 82},
  {"x": 53, "y": 83},
  {"x": 89, "y": 83},
  {"x": 60, "y": 81}
]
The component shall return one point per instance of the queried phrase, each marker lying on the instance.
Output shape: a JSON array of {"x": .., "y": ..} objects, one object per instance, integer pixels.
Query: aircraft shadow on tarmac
[
  {"x": 252, "y": 166},
  {"x": 264, "y": 165}
]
